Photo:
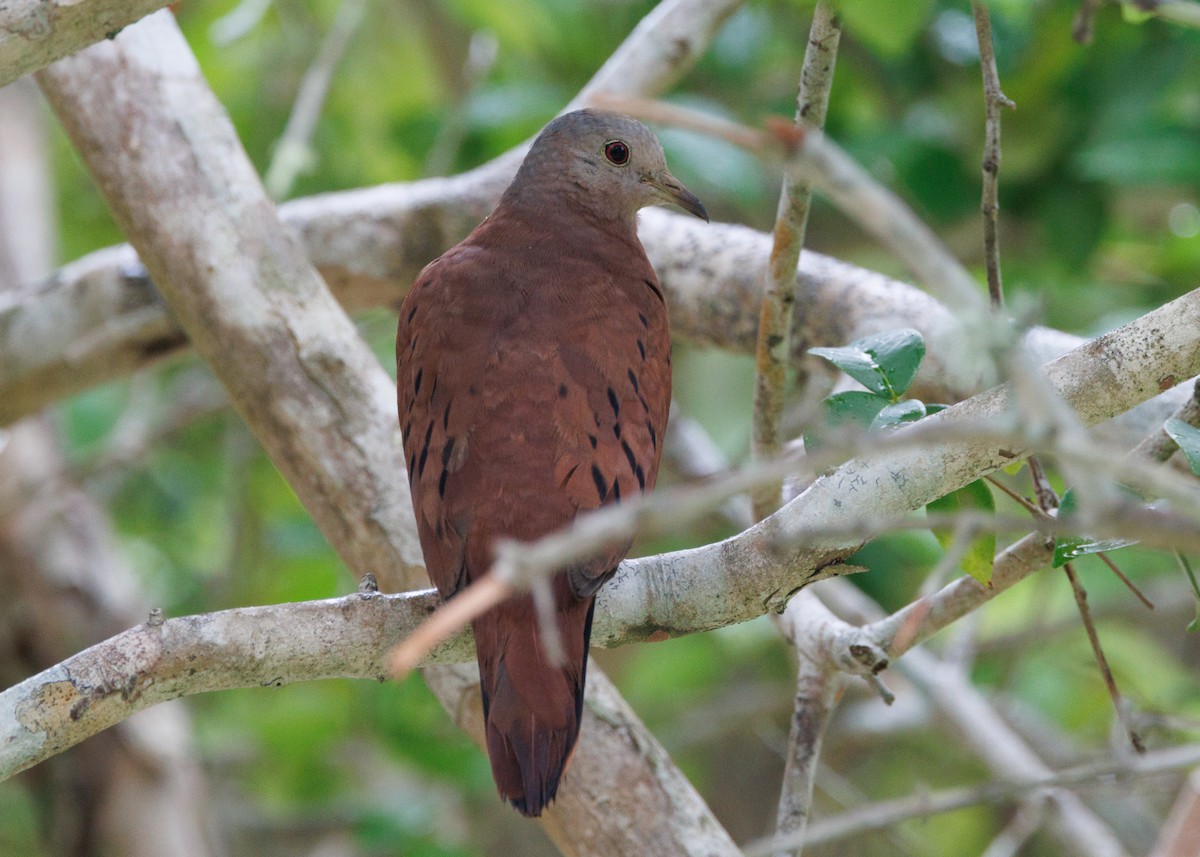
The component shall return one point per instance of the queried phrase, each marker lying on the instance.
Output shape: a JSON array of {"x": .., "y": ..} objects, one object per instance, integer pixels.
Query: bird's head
[{"x": 607, "y": 161}]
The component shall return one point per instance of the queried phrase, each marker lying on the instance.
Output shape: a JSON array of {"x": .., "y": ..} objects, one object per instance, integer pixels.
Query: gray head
[{"x": 604, "y": 161}]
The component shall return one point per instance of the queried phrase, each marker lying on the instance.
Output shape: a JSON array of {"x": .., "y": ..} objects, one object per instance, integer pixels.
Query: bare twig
[
  {"x": 993, "y": 100},
  {"x": 887, "y": 813},
  {"x": 452, "y": 617},
  {"x": 1048, "y": 501},
  {"x": 293, "y": 152},
  {"x": 1110, "y": 682},
  {"x": 774, "y": 350},
  {"x": 1085, "y": 21}
]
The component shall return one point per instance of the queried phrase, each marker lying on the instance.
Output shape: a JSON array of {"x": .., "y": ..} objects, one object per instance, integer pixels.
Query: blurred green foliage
[{"x": 1100, "y": 220}]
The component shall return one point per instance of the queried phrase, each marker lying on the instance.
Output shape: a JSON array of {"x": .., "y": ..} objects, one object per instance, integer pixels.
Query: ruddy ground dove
[{"x": 534, "y": 379}]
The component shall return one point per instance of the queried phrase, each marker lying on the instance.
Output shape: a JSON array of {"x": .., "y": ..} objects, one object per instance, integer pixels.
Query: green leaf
[
  {"x": 1194, "y": 625},
  {"x": 884, "y": 363},
  {"x": 1188, "y": 438},
  {"x": 1134, "y": 15},
  {"x": 854, "y": 408},
  {"x": 1070, "y": 547},
  {"x": 981, "y": 554},
  {"x": 910, "y": 410}
]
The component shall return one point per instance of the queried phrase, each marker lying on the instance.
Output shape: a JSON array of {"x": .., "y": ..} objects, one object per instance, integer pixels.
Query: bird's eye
[{"x": 617, "y": 152}]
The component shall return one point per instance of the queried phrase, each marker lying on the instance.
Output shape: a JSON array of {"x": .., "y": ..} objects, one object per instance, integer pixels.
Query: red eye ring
[{"x": 617, "y": 152}]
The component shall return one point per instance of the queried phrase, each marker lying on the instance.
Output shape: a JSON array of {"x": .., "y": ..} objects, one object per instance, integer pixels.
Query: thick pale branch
[
  {"x": 35, "y": 33},
  {"x": 235, "y": 279}
]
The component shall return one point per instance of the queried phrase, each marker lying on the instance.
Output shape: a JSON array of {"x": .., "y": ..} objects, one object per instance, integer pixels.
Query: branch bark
[{"x": 35, "y": 33}]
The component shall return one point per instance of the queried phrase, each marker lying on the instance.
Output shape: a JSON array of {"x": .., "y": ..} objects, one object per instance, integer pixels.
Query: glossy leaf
[
  {"x": 1188, "y": 438},
  {"x": 884, "y": 363},
  {"x": 854, "y": 408},
  {"x": 910, "y": 410},
  {"x": 1071, "y": 547}
]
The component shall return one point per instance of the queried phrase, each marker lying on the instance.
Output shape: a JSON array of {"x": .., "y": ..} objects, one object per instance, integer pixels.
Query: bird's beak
[{"x": 670, "y": 190}]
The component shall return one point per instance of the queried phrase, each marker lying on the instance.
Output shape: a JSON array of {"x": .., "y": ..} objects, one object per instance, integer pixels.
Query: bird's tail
[{"x": 531, "y": 706}]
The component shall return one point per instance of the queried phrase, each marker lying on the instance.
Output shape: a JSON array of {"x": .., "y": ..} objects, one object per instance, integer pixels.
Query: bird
[{"x": 533, "y": 384}]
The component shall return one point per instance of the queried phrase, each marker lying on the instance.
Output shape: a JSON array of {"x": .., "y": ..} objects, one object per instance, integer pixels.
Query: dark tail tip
[{"x": 528, "y": 761}]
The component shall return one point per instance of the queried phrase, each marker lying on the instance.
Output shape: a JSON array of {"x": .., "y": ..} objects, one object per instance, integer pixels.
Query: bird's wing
[{"x": 523, "y": 406}]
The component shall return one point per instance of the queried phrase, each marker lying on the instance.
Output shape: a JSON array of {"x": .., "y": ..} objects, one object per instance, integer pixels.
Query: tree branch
[
  {"x": 774, "y": 349},
  {"x": 35, "y": 33}
]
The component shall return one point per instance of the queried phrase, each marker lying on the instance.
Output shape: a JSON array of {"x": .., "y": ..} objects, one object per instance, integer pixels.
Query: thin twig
[
  {"x": 1013, "y": 495},
  {"x": 1085, "y": 21},
  {"x": 476, "y": 599},
  {"x": 774, "y": 350},
  {"x": 1094, "y": 638},
  {"x": 293, "y": 152},
  {"x": 993, "y": 99},
  {"x": 1129, "y": 584},
  {"x": 887, "y": 813},
  {"x": 1048, "y": 500}
]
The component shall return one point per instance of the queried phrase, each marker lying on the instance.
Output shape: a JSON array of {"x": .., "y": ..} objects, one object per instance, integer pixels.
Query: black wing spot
[
  {"x": 598, "y": 478},
  {"x": 653, "y": 435},
  {"x": 567, "y": 478},
  {"x": 442, "y": 484},
  {"x": 412, "y": 312},
  {"x": 629, "y": 455},
  {"x": 642, "y": 349},
  {"x": 650, "y": 284},
  {"x": 412, "y": 467},
  {"x": 617, "y": 430},
  {"x": 447, "y": 451},
  {"x": 433, "y": 389},
  {"x": 592, "y": 438},
  {"x": 641, "y": 477},
  {"x": 616, "y": 406},
  {"x": 424, "y": 452},
  {"x": 616, "y": 489},
  {"x": 645, "y": 404},
  {"x": 417, "y": 381},
  {"x": 446, "y": 415},
  {"x": 642, "y": 318},
  {"x": 562, "y": 391},
  {"x": 633, "y": 380}
]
